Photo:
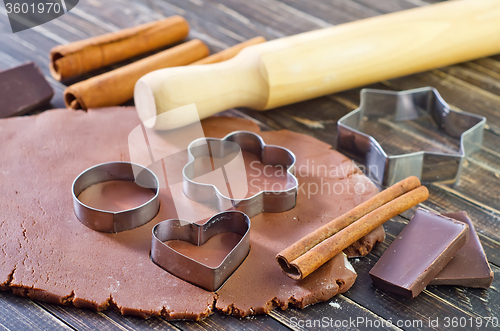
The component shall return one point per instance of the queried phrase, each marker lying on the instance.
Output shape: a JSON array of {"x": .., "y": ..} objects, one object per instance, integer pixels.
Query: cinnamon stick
[
  {"x": 117, "y": 86},
  {"x": 329, "y": 229},
  {"x": 229, "y": 52},
  {"x": 311, "y": 252},
  {"x": 85, "y": 55}
]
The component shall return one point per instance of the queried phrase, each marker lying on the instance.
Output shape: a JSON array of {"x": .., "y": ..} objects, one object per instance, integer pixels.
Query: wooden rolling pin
[{"x": 308, "y": 65}]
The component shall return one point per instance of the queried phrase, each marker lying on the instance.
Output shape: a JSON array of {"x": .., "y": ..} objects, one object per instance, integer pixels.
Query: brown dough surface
[
  {"x": 47, "y": 254},
  {"x": 115, "y": 195},
  {"x": 212, "y": 253}
]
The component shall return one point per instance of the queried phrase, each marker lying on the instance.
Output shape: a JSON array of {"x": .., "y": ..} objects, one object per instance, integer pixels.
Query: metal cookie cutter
[
  {"x": 108, "y": 221},
  {"x": 403, "y": 106},
  {"x": 274, "y": 201},
  {"x": 198, "y": 273}
]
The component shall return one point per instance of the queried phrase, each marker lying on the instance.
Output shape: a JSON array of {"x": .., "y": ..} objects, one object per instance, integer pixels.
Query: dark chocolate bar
[
  {"x": 23, "y": 89},
  {"x": 469, "y": 267},
  {"x": 419, "y": 253}
]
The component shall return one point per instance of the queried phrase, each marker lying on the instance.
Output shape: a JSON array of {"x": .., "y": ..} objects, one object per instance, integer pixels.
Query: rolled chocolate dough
[
  {"x": 212, "y": 253},
  {"x": 47, "y": 254}
]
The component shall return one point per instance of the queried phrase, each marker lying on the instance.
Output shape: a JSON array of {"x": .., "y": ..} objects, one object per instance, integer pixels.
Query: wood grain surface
[{"x": 472, "y": 87}]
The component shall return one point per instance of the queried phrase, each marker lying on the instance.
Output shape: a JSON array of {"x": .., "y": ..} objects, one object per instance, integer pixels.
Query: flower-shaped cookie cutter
[
  {"x": 402, "y": 106},
  {"x": 193, "y": 271},
  {"x": 269, "y": 201}
]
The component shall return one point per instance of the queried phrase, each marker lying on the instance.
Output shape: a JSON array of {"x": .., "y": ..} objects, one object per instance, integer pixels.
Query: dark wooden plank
[
  {"x": 317, "y": 117},
  {"x": 476, "y": 75},
  {"x": 439, "y": 203},
  {"x": 4, "y": 23},
  {"x": 86, "y": 319},
  {"x": 460, "y": 298},
  {"x": 334, "y": 12},
  {"x": 481, "y": 167},
  {"x": 476, "y": 185},
  {"x": 338, "y": 313},
  {"x": 224, "y": 322},
  {"x": 488, "y": 65},
  {"x": 453, "y": 82},
  {"x": 17, "y": 313},
  {"x": 457, "y": 93},
  {"x": 218, "y": 33}
]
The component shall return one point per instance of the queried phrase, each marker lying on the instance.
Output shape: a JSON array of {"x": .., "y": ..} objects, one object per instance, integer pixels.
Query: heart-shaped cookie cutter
[
  {"x": 195, "y": 272},
  {"x": 274, "y": 201}
]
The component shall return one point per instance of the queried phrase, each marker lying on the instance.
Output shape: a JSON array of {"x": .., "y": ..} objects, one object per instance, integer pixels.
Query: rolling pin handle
[{"x": 237, "y": 82}]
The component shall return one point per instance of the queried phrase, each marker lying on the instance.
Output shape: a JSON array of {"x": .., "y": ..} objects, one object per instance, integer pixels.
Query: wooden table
[{"x": 472, "y": 86}]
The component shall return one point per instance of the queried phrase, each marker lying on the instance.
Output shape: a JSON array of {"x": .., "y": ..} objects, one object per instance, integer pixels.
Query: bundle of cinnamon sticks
[
  {"x": 116, "y": 87},
  {"x": 308, "y": 254}
]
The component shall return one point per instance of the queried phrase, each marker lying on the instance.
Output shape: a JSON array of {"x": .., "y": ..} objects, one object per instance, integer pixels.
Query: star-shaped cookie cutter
[
  {"x": 272, "y": 201},
  {"x": 404, "y": 106}
]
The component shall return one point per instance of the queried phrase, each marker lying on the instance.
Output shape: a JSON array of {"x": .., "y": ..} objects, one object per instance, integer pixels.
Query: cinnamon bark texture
[
  {"x": 230, "y": 52},
  {"x": 117, "y": 86},
  {"x": 85, "y": 55},
  {"x": 312, "y": 251}
]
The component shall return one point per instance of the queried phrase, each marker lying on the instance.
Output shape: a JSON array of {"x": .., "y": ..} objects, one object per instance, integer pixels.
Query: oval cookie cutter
[
  {"x": 188, "y": 269},
  {"x": 408, "y": 105},
  {"x": 109, "y": 221},
  {"x": 272, "y": 201}
]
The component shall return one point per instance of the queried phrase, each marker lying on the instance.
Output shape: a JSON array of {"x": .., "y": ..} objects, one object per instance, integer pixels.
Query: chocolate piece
[
  {"x": 23, "y": 89},
  {"x": 469, "y": 267},
  {"x": 419, "y": 253},
  {"x": 47, "y": 254}
]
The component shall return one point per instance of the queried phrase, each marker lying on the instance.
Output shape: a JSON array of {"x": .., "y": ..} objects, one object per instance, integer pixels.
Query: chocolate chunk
[
  {"x": 212, "y": 253},
  {"x": 469, "y": 267},
  {"x": 23, "y": 89},
  {"x": 419, "y": 253}
]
